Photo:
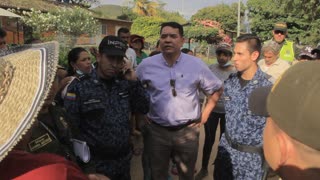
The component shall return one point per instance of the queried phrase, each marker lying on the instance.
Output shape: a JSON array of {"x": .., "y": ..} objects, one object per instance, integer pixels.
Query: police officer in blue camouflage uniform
[
  {"x": 240, "y": 153},
  {"x": 100, "y": 104}
]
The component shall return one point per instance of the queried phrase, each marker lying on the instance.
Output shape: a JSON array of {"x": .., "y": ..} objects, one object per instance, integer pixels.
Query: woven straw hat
[{"x": 26, "y": 75}]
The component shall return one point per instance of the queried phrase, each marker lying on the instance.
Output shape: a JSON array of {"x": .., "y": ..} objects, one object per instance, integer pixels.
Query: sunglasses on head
[
  {"x": 279, "y": 32},
  {"x": 173, "y": 86}
]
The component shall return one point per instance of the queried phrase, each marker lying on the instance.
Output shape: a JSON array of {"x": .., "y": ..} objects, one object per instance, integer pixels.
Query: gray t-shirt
[{"x": 222, "y": 75}]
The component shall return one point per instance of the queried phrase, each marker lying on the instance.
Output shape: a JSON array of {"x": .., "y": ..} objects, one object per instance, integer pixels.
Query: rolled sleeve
[{"x": 209, "y": 83}]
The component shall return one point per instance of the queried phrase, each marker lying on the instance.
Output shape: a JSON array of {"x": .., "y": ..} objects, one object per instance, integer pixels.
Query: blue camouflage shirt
[
  {"x": 243, "y": 128},
  {"x": 100, "y": 109}
]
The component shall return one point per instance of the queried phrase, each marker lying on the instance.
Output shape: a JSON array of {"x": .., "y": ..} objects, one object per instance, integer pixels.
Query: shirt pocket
[
  {"x": 186, "y": 82},
  {"x": 93, "y": 108}
]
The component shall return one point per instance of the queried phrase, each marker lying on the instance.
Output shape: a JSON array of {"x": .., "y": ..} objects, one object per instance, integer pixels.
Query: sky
[{"x": 185, "y": 7}]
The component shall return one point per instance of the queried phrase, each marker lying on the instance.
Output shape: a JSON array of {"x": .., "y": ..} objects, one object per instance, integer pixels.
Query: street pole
[{"x": 238, "y": 29}]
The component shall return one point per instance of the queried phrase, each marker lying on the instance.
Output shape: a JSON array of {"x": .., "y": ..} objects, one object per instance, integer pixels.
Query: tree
[
  {"x": 172, "y": 16},
  {"x": 145, "y": 7},
  {"x": 308, "y": 14},
  {"x": 263, "y": 14},
  {"x": 301, "y": 16},
  {"x": 148, "y": 27},
  {"x": 200, "y": 31},
  {"x": 69, "y": 21},
  {"x": 222, "y": 13}
]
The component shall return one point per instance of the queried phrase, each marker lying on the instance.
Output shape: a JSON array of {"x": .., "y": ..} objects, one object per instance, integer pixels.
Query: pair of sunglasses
[
  {"x": 279, "y": 32},
  {"x": 173, "y": 87}
]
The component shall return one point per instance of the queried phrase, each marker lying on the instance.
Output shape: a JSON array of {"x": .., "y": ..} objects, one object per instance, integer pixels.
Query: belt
[
  {"x": 241, "y": 147},
  {"x": 249, "y": 149},
  {"x": 175, "y": 128}
]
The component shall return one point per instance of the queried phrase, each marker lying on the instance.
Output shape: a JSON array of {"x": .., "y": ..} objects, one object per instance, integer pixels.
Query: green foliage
[
  {"x": 75, "y": 21},
  {"x": 223, "y": 13},
  {"x": 200, "y": 32},
  {"x": 172, "y": 16},
  {"x": 148, "y": 27},
  {"x": 145, "y": 7},
  {"x": 67, "y": 21},
  {"x": 127, "y": 14},
  {"x": 302, "y": 17}
]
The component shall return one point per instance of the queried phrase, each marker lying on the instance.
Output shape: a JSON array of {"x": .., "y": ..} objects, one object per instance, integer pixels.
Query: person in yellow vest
[{"x": 289, "y": 51}]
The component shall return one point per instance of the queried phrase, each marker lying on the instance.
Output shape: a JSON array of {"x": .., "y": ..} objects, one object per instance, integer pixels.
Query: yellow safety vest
[{"x": 287, "y": 51}]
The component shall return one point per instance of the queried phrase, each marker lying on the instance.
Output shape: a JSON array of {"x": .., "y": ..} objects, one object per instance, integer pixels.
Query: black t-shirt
[{"x": 242, "y": 81}]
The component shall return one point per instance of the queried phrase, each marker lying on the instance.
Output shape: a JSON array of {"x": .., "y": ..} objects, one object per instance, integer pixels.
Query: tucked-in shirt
[
  {"x": 189, "y": 74},
  {"x": 275, "y": 69},
  {"x": 222, "y": 75}
]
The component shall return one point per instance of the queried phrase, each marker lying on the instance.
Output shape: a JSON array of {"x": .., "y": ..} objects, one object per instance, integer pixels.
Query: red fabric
[
  {"x": 51, "y": 172},
  {"x": 18, "y": 163}
]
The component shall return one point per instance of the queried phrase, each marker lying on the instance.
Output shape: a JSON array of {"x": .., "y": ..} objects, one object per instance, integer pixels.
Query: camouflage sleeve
[
  {"x": 139, "y": 98},
  {"x": 72, "y": 105}
]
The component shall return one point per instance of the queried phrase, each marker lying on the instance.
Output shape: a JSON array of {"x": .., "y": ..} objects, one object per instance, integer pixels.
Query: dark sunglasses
[
  {"x": 279, "y": 32},
  {"x": 2, "y": 43},
  {"x": 173, "y": 86}
]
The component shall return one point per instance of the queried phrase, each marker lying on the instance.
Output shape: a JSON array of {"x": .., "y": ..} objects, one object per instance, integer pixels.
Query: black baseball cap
[{"x": 113, "y": 46}]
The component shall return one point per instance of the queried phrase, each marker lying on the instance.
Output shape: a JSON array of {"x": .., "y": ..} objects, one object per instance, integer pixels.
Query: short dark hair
[
  {"x": 122, "y": 30},
  {"x": 3, "y": 33},
  {"x": 254, "y": 42},
  {"x": 174, "y": 25}
]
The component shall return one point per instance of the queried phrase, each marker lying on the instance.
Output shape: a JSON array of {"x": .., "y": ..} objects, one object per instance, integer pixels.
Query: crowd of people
[{"x": 78, "y": 122}]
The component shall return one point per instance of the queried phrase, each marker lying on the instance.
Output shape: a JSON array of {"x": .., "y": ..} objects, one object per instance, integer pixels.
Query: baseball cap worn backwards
[
  {"x": 280, "y": 26},
  {"x": 294, "y": 110},
  {"x": 113, "y": 46}
]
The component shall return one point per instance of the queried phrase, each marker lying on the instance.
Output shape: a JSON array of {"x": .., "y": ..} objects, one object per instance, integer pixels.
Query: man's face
[
  {"x": 270, "y": 57},
  {"x": 125, "y": 37},
  {"x": 3, "y": 43},
  {"x": 110, "y": 66},
  {"x": 279, "y": 36},
  {"x": 223, "y": 58},
  {"x": 170, "y": 40},
  {"x": 243, "y": 59}
]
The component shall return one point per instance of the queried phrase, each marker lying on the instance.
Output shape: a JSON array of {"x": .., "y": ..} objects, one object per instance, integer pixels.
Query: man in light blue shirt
[{"x": 172, "y": 80}]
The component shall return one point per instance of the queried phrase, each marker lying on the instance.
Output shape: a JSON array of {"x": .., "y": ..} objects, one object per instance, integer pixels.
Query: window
[{"x": 104, "y": 29}]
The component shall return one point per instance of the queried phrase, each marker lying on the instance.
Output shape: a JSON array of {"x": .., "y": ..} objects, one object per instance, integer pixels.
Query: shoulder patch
[{"x": 71, "y": 96}]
